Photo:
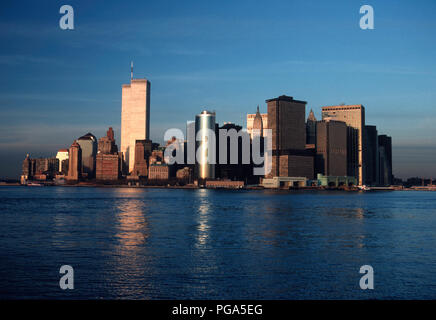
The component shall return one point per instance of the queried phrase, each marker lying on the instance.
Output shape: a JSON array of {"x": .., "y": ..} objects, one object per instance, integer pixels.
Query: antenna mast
[{"x": 131, "y": 70}]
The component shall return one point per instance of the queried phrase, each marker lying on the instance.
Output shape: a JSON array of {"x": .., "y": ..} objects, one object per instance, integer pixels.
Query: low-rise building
[
  {"x": 284, "y": 182},
  {"x": 158, "y": 171}
]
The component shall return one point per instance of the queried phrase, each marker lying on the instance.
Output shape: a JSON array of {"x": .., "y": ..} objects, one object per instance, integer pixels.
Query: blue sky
[{"x": 227, "y": 56}]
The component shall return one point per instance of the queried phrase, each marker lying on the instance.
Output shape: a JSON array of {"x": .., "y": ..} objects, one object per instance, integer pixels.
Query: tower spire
[{"x": 131, "y": 70}]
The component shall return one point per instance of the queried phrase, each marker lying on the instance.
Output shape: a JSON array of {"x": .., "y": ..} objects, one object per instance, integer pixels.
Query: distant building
[
  {"x": 89, "y": 147},
  {"x": 108, "y": 159},
  {"x": 385, "y": 160},
  {"x": 39, "y": 169},
  {"x": 158, "y": 171},
  {"x": 224, "y": 184},
  {"x": 286, "y": 120},
  {"x": 157, "y": 155},
  {"x": 142, "y": 154},
  {"x": 75, "y": 162},
  {"x": 61, "y": 156},
  {"x": 354, "y": 117},
  {"x": 284, "y": 182},
  {"x": 331, "y": 148},
  {"x": 135, "y": 117},
  {"x": 335, "y": 181},
  {"x": 311, "y": 128},
  {"x": 371, "y": 156},
  {"x": 205, "y": 122},
  {"x": 257, "y": 121},
  {"x": 185, "y": 174},
  {"x": 232, "y": 167},
  {"x": 26, "y": 171}
]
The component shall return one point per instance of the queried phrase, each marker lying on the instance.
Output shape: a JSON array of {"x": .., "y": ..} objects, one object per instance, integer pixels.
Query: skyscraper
[
  {"x": 61, "y": 156},
  {"x": 311, "y": 128},
  {"x": 256, "y": 121},
  {"x": 331, "y": 148},
  {"x": 108, "y": 160},
  {"x": 135, "y": 117},
  {"x": 75, "y": 160},
  {"x": 385, "y": 160},
  {"x": 205, "y": 167},
  {"x": 354, "y": 117},
  {"x": 286, "y": 120},
  {"x": 89, "y": 146},
  {"x": 371, "y": 156}
]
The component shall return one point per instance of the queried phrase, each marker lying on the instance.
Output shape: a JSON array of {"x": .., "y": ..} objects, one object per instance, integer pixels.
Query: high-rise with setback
[{"x": 354, "y": 117}]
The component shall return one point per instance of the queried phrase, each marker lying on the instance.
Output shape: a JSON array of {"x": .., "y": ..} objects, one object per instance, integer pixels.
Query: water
[{"x": 211, "y": 244}]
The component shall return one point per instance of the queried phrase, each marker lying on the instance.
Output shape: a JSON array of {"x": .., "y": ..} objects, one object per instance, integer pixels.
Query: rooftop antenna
[{"x": 131, "y": 70}]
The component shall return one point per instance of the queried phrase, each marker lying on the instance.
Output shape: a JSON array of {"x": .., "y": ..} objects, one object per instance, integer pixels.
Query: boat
[
  {"x": 364, "y": 188},
  {"x": 34, "y": 184}
]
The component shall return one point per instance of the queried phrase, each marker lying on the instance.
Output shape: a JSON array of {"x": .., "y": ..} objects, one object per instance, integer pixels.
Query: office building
[
  {"x": 74, "y": 162},
  {"x": 354, "y": 117},
  {"x": 286, "y": 120},
  {"x": 89, "y": 147},
  {"x": 108, "y": 159},
  {"x": 135, "y": 118},
  {"x": 61, "y": 156},
  {"x": 205, "y": 145},
  {"x": 385, "y": 160},
  {"x": 257, "y": 121},
  {"x": 158, "y": 171},
  {"x": 142, "y": 154},
  {"x": 331, "y": 148},
  {"x": 371, "y": 156},
  {"x": 311, "y": 129}
]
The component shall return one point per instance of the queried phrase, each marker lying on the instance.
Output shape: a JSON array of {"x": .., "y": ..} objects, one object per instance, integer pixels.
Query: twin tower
[{"x": 135, "y": 117}]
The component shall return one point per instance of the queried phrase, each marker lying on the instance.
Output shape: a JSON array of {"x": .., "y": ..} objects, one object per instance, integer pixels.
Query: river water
[{"x": 133, "y": 243}]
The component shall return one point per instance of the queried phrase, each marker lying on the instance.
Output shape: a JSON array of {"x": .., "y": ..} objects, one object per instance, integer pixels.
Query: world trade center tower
[{"x": 135, "y": 117}]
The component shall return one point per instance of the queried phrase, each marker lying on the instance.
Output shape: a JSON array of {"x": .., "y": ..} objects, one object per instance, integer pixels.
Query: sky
[{"x": 227, "y": 56}]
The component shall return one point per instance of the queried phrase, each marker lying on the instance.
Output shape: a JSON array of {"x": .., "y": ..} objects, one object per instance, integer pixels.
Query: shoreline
[{"x": 192, "y": 187}]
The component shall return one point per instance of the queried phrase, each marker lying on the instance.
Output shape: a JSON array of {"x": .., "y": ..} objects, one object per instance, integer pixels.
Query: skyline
[{"x": 63, "y": 84}]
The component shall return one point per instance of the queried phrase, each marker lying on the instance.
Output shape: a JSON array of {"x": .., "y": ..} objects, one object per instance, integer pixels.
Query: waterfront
[{"x": 216, "y": 244}]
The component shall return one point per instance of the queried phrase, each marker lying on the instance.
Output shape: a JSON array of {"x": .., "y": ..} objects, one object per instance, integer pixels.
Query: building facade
[
  {"x": 385, "y": 160},
  {"x": 205, "y": 145},
  {"x": 158, "y": 171},
  {"x": 371, "y": 156},
  {"x": 108, "y": 160},
  {"x": 135, "y": 118},
  {"x": 286, "y": 120},
  {"x": 61, "y": 156},
  {"x": 74, "y": 162},
  {"x": 89, "y": 147},
  {"x": 142, "y": 154},
  {"x": 354, "y": 117},
  {"x": 331, "y": 148},
  {"x": 311, "y": 129},
  {"x": 261, "y": 122}
]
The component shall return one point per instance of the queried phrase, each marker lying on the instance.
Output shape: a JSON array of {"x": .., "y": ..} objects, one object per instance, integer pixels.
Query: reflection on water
[
  {"x": 203, "y": 227},
  {"x": 132, "y": 228}
]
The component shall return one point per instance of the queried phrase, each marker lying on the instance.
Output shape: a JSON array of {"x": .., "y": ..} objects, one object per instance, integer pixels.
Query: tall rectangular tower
[
  {"x": 135, "y": 117},
  {"x": 354, "y": 117},
  {"x": 286, "y": 120},
  {"x": 331, "y": 148}
]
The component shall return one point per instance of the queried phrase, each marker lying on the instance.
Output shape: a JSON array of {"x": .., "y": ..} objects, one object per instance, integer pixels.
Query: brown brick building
[
  {"x": 108, "y": 159},
  {"x": 286, "y": 119},
  {"x": 142, "y": 154}
]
